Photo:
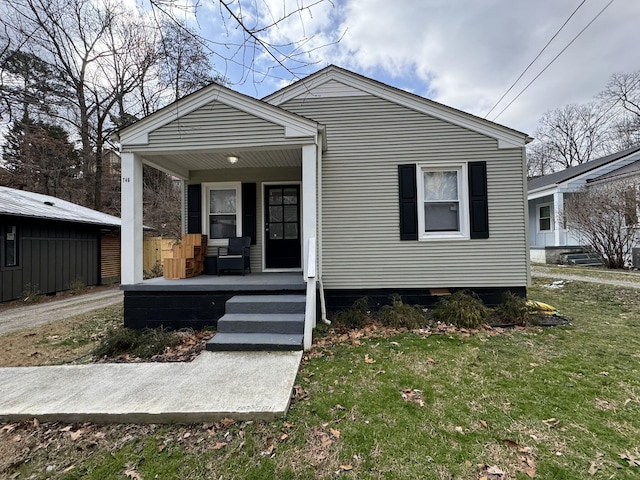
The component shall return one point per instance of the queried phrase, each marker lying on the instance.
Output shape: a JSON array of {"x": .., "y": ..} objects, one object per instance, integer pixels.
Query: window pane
[
  {"x": 223, "y": 201},
  {"x": 275, "y": 214},
  {"x": 440, "y": 186},
  {"x": 291, "y": 213},
  {"x": 275, "y": 231},
  {"x": 545, "y": 224},
  {"x": 545, "y": 212},
  {"x": 290, "y": 196},
  {"x": 11, "y": 246},
  {"x": 222, "y": 226},
  {"x": 275, "y": 196},
  {"x": 441, "y": 217},
  {"x": 291, "y": 231}
]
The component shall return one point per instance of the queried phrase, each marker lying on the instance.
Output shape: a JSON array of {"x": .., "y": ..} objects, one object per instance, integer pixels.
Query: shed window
[
  {"x": 544, "y": 218},
  {"x": 443, "y": 202},
  {"x": 11, "y": 246}
]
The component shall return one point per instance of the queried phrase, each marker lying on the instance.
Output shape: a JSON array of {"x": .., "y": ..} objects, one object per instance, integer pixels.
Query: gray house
[
  {"x": 549, "y": 237},
  {"x": 48, "y": 243},
  {"x": 341, "y": 179}
]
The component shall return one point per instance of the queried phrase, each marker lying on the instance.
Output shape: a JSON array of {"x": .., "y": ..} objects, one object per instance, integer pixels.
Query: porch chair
[{"x": 237, "y": 256}]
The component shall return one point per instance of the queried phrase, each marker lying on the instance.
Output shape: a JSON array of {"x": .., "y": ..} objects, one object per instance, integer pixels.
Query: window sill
[{"x": 443, "y": 237}]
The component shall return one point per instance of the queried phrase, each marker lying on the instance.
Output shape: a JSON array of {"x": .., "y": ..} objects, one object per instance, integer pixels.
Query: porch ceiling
[{"x": 181, "y": 162}]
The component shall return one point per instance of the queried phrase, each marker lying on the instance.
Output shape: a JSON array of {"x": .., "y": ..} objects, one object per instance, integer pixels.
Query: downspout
[{"x": 320, "y": 147}]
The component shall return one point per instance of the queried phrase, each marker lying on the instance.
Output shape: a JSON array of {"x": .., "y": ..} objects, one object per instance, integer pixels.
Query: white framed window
[
  {"x": 443, "y": 202},
  {"x": 222, "y": 208},
  {"x": 545, "y": 217}
]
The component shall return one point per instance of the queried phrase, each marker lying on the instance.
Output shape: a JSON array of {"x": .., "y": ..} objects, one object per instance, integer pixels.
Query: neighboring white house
[
  {"x": 548, "y": 236},
  {"x": 400, "y": 193}
]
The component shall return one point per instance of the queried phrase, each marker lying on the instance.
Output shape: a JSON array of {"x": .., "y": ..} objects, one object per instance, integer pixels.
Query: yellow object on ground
[{"x": 543, "y": 307}]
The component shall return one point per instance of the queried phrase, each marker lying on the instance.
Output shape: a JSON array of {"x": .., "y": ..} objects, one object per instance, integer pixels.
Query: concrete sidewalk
[
  {"x": 27, "y": 316},
  {"x": 239, "y": 385}
]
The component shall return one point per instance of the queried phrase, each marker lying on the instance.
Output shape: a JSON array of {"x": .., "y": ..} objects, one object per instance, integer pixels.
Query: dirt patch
[
  {"x": 72, "y": 340},
  {"x": 45, "y": 299}
]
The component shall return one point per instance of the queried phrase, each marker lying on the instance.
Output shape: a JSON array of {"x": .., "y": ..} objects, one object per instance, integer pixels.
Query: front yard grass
[{"x": 534, "y": 402}]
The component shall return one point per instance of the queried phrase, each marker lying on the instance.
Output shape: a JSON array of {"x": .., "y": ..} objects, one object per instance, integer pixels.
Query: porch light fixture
[{"x": 233, "y": 159}]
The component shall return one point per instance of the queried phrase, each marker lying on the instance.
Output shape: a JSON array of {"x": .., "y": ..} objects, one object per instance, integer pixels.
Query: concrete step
[
  {"x": 292, "y": 323},
  {"x": 254, "y": 342},
  {"x": 266, "y": 304}
]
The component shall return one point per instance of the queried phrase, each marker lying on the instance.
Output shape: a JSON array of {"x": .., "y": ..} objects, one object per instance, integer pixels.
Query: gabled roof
[
  {"x": 631, "y": 169},
  {"x": 507, "y": 137},
  {"x": 572, "y": 172},
  {"x": 18, "y": 203},
  {"x": 294, "y": 125}
]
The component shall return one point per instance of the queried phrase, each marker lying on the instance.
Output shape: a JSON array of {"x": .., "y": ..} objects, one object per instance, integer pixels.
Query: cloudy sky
[{"x": 464, "y": 53}]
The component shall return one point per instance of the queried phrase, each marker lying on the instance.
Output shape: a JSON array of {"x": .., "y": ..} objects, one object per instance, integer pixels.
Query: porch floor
[
  {"x": 249, "y": 282},
  {"x": 240, "y": 385}
]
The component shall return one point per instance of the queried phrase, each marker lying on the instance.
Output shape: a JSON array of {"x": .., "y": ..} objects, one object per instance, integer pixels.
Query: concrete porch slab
[{"x": 239, "y": 385}]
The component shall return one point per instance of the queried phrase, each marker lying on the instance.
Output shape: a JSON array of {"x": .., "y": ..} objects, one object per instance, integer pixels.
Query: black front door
[{"x": 282, "y": 226}]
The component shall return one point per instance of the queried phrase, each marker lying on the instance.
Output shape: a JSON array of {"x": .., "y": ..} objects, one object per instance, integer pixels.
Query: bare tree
[
  {"x": 622, "y": 97},
  {"x": 605, "y": 216},
  {"x": 571, "y": 135}
]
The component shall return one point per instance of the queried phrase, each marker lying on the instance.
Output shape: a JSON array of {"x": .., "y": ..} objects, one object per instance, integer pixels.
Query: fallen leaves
[
  {"x": 299, "y": 394},
  {"x": 632, "y": 458},
  {"x": 368, "y": 359},
  {"x": 413, "y": 396},
  {"x": 131, "y": 473}
]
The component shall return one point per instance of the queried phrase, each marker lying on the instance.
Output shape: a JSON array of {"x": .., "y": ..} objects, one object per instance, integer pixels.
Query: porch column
[
  {"x": 558, "y": 225},
  {"x": 131, "y": 208},
  {"x": 309, "y": 220}
]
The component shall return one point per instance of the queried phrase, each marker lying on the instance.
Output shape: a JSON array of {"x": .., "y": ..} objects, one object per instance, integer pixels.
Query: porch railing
[{"x": 310, "y": 308}]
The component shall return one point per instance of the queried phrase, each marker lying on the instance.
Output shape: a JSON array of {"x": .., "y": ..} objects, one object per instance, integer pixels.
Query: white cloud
[{"x": 467, "y": 53}]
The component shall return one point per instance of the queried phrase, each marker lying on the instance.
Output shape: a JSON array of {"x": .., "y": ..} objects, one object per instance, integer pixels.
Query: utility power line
[
  {"x": 533, "y": 61},
  {"x": 554, "y": 59}
]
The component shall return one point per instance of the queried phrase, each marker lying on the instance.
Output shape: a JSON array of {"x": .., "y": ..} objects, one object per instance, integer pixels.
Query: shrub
[
  {"x": 513, "y": 310},
  {"x": 463, "y": 309},
  {"x": 31, "y": 293},
  {"x": 139, "y": 343},
  {"x": 156, "y": 271},
  {"x": 354, "y": 317},
  {"x": 399, "y": 314},
  {"x": 77, "y": 286}
]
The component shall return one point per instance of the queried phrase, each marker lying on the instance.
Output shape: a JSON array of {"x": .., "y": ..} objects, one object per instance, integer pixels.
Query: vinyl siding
[
  {"x": 216, "y": 124},
  {"x": 250, "y": 175},
  {"x": 367, "y": 138}
]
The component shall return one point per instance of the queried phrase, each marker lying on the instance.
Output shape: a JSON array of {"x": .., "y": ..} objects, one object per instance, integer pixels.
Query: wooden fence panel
[{"x": 156, "y": 249}]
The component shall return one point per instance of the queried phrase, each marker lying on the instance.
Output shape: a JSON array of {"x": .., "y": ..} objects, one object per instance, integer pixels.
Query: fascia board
[
  {"x": 506, "y": 139},
  {"x": 583, "y": 178},
  {"x": 138, "y": 134},
  {"x": 541, "y": 192}
]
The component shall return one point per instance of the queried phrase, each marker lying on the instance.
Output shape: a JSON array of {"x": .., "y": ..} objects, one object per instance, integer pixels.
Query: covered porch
[{"x": 247, "y": 169}]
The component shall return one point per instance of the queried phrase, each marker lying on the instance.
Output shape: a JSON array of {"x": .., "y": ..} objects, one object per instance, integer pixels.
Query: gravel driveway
[{"x": 18, "y": 318}]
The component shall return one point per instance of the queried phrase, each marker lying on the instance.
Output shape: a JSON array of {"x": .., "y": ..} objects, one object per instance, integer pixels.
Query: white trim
[
  {"x": 538, "y": 217},
  {"x": 262, "y": 221},
  {"x": 506, "y": 137},
  {"x": 295, "y": 125},
  {"x": 131, "y": 231},
  {"x": 463, "y": 201},
  {"x": 205, "y": 188}
]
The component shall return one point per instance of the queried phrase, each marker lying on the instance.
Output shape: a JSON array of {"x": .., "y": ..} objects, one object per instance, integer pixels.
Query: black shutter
[
  {"x": 249, "y": 211},
  {"x": 478, "y": 205},
  {"x": 194, "y": 209},
  {"x": 408, "y": 202}
]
